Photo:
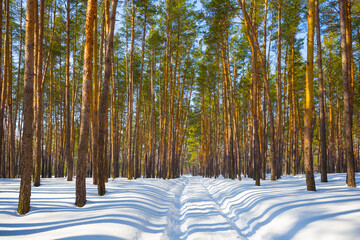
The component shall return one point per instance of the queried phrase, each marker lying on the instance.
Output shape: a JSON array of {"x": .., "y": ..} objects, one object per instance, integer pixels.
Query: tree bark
[
  {"x": 104, "y": 101},
  {"x": 138, "y": 106},
  {"x": 2, "y": 92},
  {"x": 85, "y": 105},
  {"x": 27, "y": 147},
  {"x": 279, "y": 146},
  {"x": 346, "y": 76},
  {"x": 323, "y": 147},
  {"x": 130, "y": 87},
  {"x": 309, "y": 108}
]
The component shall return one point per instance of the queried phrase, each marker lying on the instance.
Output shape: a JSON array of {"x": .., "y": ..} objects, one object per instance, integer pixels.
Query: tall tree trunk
[
  {"x": 309, "y": 108},
  {"x": 294, "y": 153},
  {"x": 152, "y": 140},
  {"x": 323, "y": 147},
  {"x": 6, "y": 82},
  {"x": 346, "y": 77},
  {"x": 73, "y": 101},
  {"x": 27, "y": 147},
  {"x": 68, "y": 157},
  {"x": 138, "y": 105},
  {"x": 104, "y": 101},
  {"x": 39, "y": 98},
  {"x": 85, "y": 105},
  {"x": 17, "y": 109},
  {"x": 11, "y": 119},
  {"x": 2, "y": 87},
  {"x": 279, "y": 99},
  {"x": 129, "y": 121},
  {"x": 114, "y": 127}
]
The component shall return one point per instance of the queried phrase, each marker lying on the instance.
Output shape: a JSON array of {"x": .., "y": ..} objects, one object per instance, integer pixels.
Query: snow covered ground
[{"x": 185, "y": 208}]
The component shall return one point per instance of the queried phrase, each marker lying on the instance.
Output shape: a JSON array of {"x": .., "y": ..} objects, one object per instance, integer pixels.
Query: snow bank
[{"x": 185, "y": 208}]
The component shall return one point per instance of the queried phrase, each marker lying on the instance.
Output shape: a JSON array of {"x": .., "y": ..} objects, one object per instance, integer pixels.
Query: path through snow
[{"x": 185, "y": 208}]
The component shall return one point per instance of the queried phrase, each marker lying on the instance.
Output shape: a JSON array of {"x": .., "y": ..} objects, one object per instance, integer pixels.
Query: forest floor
[{"x": 185, "y": 208}]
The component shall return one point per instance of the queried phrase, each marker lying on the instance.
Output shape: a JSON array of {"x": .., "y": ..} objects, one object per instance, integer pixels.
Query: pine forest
[{"x": 187, "y": 100}]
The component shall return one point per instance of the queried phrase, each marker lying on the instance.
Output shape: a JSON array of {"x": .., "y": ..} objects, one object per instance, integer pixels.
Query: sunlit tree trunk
[
  {"x": 309, "y": 108},
  {"x": 130, "y": 87},
  {"x": 85, "y": 105},
  {"x": 2, "y": 161},
  {"x": 27, "y": 146},
  {"x": 68, "y": 157},
  {"x": 5, "y": 85},
  {"x": 138, "y": 107},
  {"x": 278, "y": 98},
  {"x": 102, "y": 169},
  {"x": 39, "y": 93},
  {"x": 346, "y": 77},
  {"x": 322, "y": 116}
]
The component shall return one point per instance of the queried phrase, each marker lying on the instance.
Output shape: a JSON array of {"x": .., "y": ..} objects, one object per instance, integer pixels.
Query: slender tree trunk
[
  {"x": 11, "y": 121},
  {"x": 331, "y": 154},
  {"x": 3, "y": 84},
  {"x": 17, "y": 109},
  {"x": 73, "y": 102},
  {"x": 152, "y": 139},
  {"x": 85, "y": 105},
  {"x": 323, "y": 147},
  {"x": 39, "y": 93},
  {"x": 346, "y": 77},
  {"x": 279, "y": 98},
  {"x": 68, "y": 157},
  {"x": 27, "y": 147},
  {"x": 138, "y": 106},
  {"x": 309, "y": 108},
  {"x": 294, "y": 154},
  {"x": 104, "y": 101},
  {"x": 129, "y": 121}
]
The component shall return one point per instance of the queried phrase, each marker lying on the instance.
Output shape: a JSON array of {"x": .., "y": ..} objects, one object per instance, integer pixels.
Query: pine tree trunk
[
  {"x": 138, "y": 106},
  {"x": 102, "y": 169},
  {"x": 85, "y": 105},
  {"x": 152, "y": 138},
  {"x": 3, "y": 88},
  {"x": 5, "y": 85},
  {"x": 39, "y": 94},
  {"x": 323, "y": 147},
  {"x": 27, "y": 147},
  {"x": 17, "y": 109},
  {"x": 129, "y": 121},
  {"x": 11, "y": 119},
  {"x": 346, "y": 77},
  {"x": 278, "y": 98},
  {"x": 309, "y": 108}
]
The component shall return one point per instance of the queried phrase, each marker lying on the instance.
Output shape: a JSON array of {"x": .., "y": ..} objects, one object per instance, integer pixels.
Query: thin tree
[
  {"x": 85, "y": 105},
  {"x": 68, "y": 157},
  {"x": 346, "y": 77},
  {"x": 104, "y": 99},
  {"x": 322, "y": 117},
  {"x": 130, "y": 96},
  {"x": 27, "y": 146},
  {"x": 309, "y": 108},
  {"x": 39, "y": 95}
]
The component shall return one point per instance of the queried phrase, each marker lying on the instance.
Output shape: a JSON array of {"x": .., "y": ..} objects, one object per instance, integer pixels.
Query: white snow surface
[{"x": 185, "y": 208}]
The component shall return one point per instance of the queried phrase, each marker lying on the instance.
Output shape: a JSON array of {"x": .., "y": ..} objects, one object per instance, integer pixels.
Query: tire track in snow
[
  {"x": 197, "y": 216},
  {"x": 225, "y": 215}
]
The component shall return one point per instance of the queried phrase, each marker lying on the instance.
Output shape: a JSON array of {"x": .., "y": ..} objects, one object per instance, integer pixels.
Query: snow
[{"x": 185, "y": 208}]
